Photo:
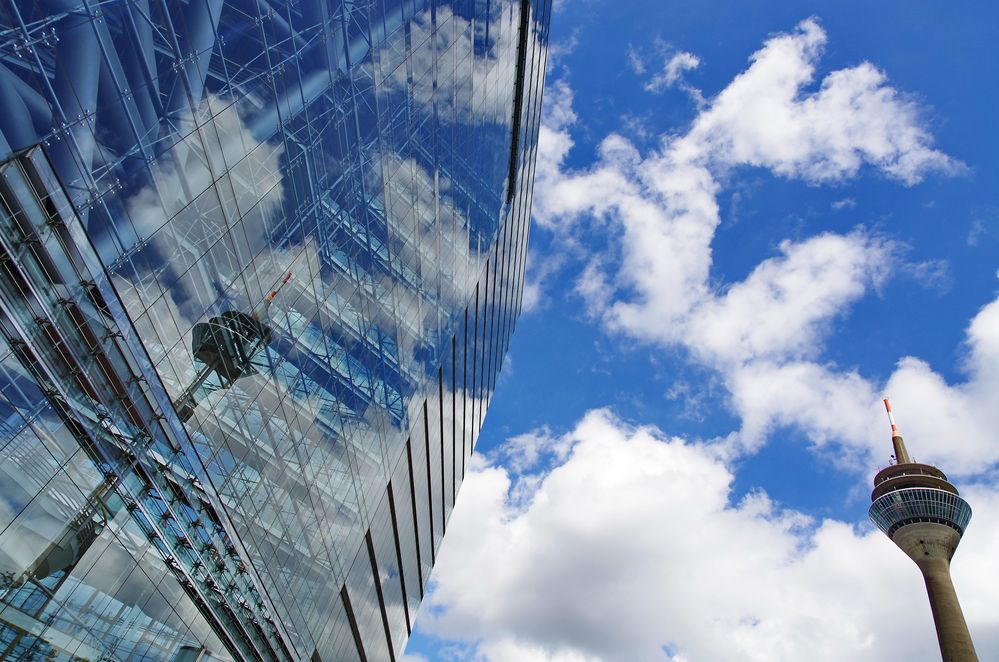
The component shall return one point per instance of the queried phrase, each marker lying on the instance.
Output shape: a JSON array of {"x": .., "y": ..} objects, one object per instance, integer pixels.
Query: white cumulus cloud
[
  {"x": 666, "y": 202},
  {"x": 952, "y": 424},
  {"x": 617, "y": 542},
  {"x": 778, "y": 310},
  {"x": 631, "y": 548},
  {"x": 766, "y": 333}
]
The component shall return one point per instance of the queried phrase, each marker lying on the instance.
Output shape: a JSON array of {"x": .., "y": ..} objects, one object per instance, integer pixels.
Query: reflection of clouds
[
  {"x": 437, "y": 245},
  {"x": 218, "y": 148},
  {"x": 492, "y": 70},
  {"x": 214, "y": 179},
  {"x": 216, "y": 176},
  {"x": 271, "y": 432},
  {"x": 220, "y": 161},
  {"x": 379, "y": 318},
  {"x": 270, "y": 417}
]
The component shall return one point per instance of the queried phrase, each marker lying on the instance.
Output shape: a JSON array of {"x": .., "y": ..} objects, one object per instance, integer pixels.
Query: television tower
[{"x": 922, "y": 513}]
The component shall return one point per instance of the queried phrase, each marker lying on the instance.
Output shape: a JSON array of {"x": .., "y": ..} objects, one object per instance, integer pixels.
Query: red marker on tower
[
  {"x": 284, "y": 281},
  {"x": 891, "y": 419}
]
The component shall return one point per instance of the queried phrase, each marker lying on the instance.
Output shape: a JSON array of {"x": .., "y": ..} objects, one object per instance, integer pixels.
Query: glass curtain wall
[{"x": 259, "y": 265}]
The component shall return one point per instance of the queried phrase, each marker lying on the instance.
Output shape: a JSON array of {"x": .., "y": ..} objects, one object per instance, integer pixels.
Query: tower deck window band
[
  {"x": 242, "y": 244},
  {"x": 907, "y": 506}
]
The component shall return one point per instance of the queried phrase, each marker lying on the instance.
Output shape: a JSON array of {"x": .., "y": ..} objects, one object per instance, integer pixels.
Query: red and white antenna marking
[
  {"x": 284, "y": 281},
  {"x": 891, "y": 419}
]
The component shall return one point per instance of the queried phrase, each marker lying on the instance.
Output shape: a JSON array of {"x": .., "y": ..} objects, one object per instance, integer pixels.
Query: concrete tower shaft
[{"x": 931, "y": 547}]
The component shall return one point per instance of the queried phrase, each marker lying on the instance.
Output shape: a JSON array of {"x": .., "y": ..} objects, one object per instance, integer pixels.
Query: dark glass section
[{"x": 259, "y": 265}]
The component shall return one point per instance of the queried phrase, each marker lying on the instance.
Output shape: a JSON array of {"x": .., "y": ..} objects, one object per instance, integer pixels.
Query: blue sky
[{"x": 752, "y": 220}]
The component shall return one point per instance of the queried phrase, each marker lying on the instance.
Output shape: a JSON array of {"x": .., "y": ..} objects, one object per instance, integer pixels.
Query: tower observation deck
[{"x": 922, "y": 513}]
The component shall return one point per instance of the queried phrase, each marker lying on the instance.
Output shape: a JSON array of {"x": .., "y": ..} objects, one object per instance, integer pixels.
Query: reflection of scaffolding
[
  {"x": 144, "y": 88},
  {"x": 84, "y": 522},
  {"x": 83, "y": 528},
  {"x": 232, "y": 347},
  {"x": 64, "y": 327}
]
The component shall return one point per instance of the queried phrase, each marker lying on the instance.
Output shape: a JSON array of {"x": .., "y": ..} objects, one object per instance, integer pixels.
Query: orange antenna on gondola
[{"x": 284, "y": 281}]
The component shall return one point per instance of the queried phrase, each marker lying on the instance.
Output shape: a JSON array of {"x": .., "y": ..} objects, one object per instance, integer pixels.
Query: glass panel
[{"x": 263, "y": 233}]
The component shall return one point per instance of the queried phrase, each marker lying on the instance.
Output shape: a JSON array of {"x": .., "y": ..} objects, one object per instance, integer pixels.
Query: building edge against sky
[{"x": 260, "y": 265}]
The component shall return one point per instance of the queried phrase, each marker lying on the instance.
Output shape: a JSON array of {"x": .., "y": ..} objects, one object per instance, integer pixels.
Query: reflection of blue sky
[
  {"x": 211, "y": 147},
  {"x": 129, "y": 109}
]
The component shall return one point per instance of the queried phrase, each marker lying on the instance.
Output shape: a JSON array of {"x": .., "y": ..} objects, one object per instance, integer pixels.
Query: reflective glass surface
[
  {"x": 919, "y": 504},
  {"x": 260, "y": 261}
]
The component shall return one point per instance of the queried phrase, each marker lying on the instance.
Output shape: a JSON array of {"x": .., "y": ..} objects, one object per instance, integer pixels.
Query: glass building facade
[{"x": 260, "y": 261}]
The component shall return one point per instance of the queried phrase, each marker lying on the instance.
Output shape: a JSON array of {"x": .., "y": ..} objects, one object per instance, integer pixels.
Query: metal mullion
[
  {"x": 473, "y": 431},
  {"x": 376, "y": 579},
  {"x": 464, "y": 393},
  {"x": 398, "y": 558},
  {"x": 440, "y": 405},
  {"x": 485, "y": 342},
  {"x": 349, "y": 609},
  {"x": 430, "y": 484},
  {"x": 416, "y": 519},
  {"x": 497, "y": 297}
]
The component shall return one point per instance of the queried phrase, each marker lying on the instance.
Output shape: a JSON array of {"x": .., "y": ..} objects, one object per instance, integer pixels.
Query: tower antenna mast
[
  {"x": 901, "y": 453},
  {"x": 891, "y": 419}
]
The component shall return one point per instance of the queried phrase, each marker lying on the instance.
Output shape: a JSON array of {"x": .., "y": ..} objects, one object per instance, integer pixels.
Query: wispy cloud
[
  {"x": 984, "y": 226},
  {"x": 672, "y": 71},
  {"x": 559, "y": 50},
  {"x": 541, "y": 267},
  {"x": 669, "y": 66},
  {"x": 635, "y": 61}
]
